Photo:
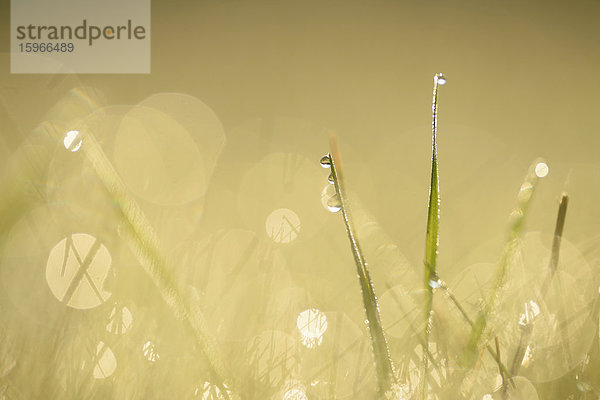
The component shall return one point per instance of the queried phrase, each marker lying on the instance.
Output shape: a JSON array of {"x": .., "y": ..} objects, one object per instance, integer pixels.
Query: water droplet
[
  {"x": 106, "y": 363},
  {"x": 331, "y": 179},
  {"x": 532, "y": 310},
  {"x": 525, "y": 192},
  {"x": 441, "y": 79},
  {"x": 72, "y": 141},
  {"x": 515, "y": 216},
  {"x": 210, "y": 391},
  {"x": 64, "y": 267},
  {"x": 283, "y": 225},
  {"x": 295, "y": 394},
  {"x": 541, "y": 169},
  {"x": 535, "y": 308},
  {"x": 334, "y": 204},
  {"x": 325, "y": 161},
  {"x": 120, "y": 320},
  {"x": 527, "y": 357},
  {"x": 435, "y": 283},
  {"x": 498, "y": 382},
  {"x": 326, "y": 193},
  {"x": 583, "y": 386},
  {"x": 312, "y": 324},
  {"x": 149, "y": 350}
]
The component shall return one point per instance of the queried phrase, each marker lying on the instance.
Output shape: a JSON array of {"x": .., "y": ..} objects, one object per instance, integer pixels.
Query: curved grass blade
[
  {"x": 537, "y": 170},
  {"x": 383, "y": 363},
  {"x": 432, "y": 237},
  {"x": 141, "y": 238}
]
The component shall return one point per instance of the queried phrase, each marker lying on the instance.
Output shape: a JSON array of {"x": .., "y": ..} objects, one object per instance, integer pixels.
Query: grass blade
[
  {"x": 528, "y": 328},
  {"x": 558, "y": 231},
  {"x": 383, "y": 363},
  {"x": 537, "y": 170},
  {"x": 432, "y": 237},
  {"x": 142, "y": 240},
  {"x": 494, "y": 353}
]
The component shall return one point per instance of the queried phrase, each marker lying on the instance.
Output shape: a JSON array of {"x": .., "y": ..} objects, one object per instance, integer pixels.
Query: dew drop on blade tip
[
  {"x": 441, "y": 79},
  {"x": 325, "y": 161},
  {"x": 541, "y": 169}
]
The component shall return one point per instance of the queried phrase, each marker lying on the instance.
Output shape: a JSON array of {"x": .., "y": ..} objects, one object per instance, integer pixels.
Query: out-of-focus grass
[
  {"x": 507, "y": 259},
  {"x": 552, "y": 267},
  {"x": 140, "y": 236}
]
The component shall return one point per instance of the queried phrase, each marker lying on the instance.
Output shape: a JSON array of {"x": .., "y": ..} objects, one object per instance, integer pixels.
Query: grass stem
[
  {"x": 552, "y": 267},
  {"x": 510, "y": 251},
  {"x": 432, "y": 236},
  {"x": 383, "y": 363},
  {"x": 141, "y": 238}
]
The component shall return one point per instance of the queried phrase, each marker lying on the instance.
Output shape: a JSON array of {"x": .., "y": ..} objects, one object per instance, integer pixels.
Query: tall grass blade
[
  {"x": 142, "y": 240},
  {"x": 536, "y": 171},
  {"x": 383, "y": 362},
  {"x": 432, "y": 237}
]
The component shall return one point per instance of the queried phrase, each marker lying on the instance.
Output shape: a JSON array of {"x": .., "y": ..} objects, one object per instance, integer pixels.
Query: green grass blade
[
  {"x": 141, "y": 238},
  {"x": 432, "y": 237},
  {"x": 537, "y": 170},
  {"x": 383, "y": 362}
]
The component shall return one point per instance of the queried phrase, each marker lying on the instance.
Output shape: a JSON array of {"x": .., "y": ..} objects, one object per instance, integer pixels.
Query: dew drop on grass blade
[
  {"x": 432, "y": 236},
  {"x": 383, "y": 363}
]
